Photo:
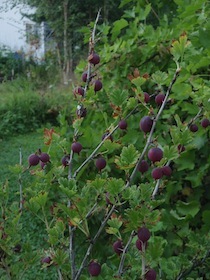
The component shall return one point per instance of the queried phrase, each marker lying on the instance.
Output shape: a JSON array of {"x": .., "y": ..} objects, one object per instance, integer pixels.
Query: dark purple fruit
[
  {"x": 193, "y": 127},
  {"x": 157, "y": 173},
  {"x": 65, "y": 160},
  {"x": 97, "y": 85},
  {"x": 155, "y": 154},
  {"x": 42, "y": 164},
  {"x": 167, "y": 171},
  {"x": 94, "y": 268},
  {"x": 118, "y": 247},
  {"x": 100, "y": 163},
  {"x": 46, "y": 260},
  {"x": 146, "y": 97},
  {"x": 205, "y": 123},
  {"x": 139, "y": 244},
  {"x": 143, "y": 234},
  {"x": 95, "y": 59},
  {"x": 44, "y": 157},
  {"x": 181, "y": 148},
  {"x": 151, "y": 275},
  {"x": 159, "y": 98},
  {"x": 143, "y": 166},
  {"x": 84, "y": 76},
  {"x": 146, "y": 124},
  {"x": 76, "y": 147},
  {"x": 33, "y": 160},
  {"x": 105, "y": 135},
  {"x": 79, "y": 91},
  {"x": 122, "y": 124}
]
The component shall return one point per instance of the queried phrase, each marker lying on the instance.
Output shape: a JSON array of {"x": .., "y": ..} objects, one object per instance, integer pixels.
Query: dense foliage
[{"x": 107, "y": 204}]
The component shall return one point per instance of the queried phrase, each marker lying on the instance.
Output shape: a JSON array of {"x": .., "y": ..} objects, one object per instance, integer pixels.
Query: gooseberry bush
[{"x": 121, "y": 189}]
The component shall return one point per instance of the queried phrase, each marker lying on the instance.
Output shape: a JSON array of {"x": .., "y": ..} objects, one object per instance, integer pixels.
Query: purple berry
[
  {"x": 100, "y": 163},
  {"x": 79, "y": 91},
  {"x": 33, "y": 160},
  {"x": 118, "y": 247},
  {"x": 193, "y": 127},
  {"x": 46, "y": 260},
  {"x": 143, "y": 234},
  {"x": 146, "y": 124},
  {"x": 151, "y": 275},
  {"x": 94, "y": 268},
  {"x": 76, "y": 147},
  {"x": 95, "y": 59},
  {"x": 122, "y": 124},
  {"x": 97, "y": 85},
  {"x": 84, "y": 77},
  {"x": 181, "y": 148},
  {"x": 159, "y": 98},
  {"x": 157, "y": 173},
  {"x": 167, "y": 171},
  {"x": 42, "y": 164},
  {"x": 65, "y": 160},
  {"x": 44, "y": 157},
  {"x": 146, "y": 97},
  {"x": 205, "y": 123},
  {"x": 155, "y": 154},
  {"x": 139, "y": 244},
  {"x": 143, "y": 166}
]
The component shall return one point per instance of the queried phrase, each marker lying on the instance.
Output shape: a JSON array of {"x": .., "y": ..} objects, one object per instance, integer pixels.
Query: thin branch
[
  {"x": 100, "y": 144},
  {"x": 156, "y": 15},
  {"x": 195, "y": 264},
  {"x": 93, "y": 241},
  {"x": 133, "y": 174},
  {"x": 122, "y": 259}
]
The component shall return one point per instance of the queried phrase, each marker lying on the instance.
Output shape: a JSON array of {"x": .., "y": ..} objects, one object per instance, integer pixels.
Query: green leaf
[
  {"x": 171, "y": 152},
  {"x": 159, "y": 77},
  {"x": 204, "y": 37},
  {"x": 114, "y": 186},
  {"x": 138, "y": 82},
  {"x": 118, "y": 97},
  {"x": 188, "y": 208},
  {"x": 156, "y": 247},
  {"x": 179, "y": 46},
  {"x": 128, "y": 157},
  {"x": 118, "y": 26},
  {"x": 115, "y": 223},
  {"x": 60, "y": 257}
]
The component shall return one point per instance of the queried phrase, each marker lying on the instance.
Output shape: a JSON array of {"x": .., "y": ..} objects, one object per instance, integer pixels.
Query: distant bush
[{"x": 22, "y": 109}]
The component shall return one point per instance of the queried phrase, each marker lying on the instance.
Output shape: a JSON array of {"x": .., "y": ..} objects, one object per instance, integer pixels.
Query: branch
[
  {"x": 194, "y": 265},
  {"x": 133, "y": 174},
  {"x": 100, "y": 144},
  {"x": 122, "y": 260},
  {"x": 93, "y": 241}
]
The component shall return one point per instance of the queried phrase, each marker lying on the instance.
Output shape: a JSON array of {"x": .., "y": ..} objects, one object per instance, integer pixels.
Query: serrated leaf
[
  {"x": 129, "y": 156},
  {"x": 114, "y": 186},
  {"x": 118, "y": 97},
  {"x": 60, "y": 257},
  {"x": 159, "y": 77},
  {"x": 171, "y": 152},
  {"x": 111, "y": 230},
  {"x": 204, "y": 37},
  {"x": 115, "y": 223},
  {"x": 179, "y": 46},
  {"x": 77, "y": 123},
  {"x": 138, "y": 82},
  {"x": 156, "y": 247}
]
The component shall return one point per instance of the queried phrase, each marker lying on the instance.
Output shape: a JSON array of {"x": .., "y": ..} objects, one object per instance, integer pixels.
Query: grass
[{"x": 33, "y": 233}]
